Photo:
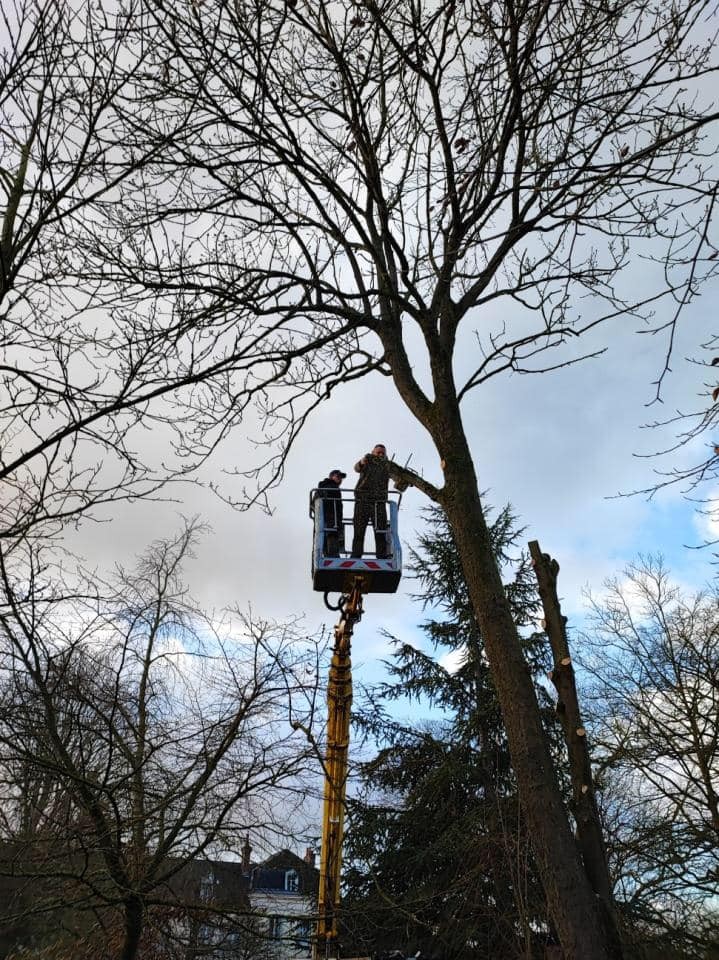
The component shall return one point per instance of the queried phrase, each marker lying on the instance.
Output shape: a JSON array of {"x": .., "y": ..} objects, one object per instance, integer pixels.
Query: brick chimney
[
  {"x": 310, "y": 856},
  {"x": 246, "y": 854}
]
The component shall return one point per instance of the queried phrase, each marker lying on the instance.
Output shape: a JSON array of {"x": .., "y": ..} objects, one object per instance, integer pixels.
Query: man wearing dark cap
[{"x": 329, "y": 491}]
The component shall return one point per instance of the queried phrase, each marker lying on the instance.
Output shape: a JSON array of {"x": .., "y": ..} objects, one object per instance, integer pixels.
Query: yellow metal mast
[{"x": 339, "y": 703}]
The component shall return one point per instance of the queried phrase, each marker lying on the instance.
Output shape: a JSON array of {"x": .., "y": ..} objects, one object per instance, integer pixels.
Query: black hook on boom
[{"x": 340, "y": 603}]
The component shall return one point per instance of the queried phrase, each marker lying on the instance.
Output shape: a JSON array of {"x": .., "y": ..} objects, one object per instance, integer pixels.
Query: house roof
[
  {"x": 219, "y": 882},
  {"x": 271, "y": 874}
]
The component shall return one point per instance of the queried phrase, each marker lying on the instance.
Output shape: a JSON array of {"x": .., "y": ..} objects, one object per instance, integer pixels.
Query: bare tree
[
  {"x": 64, "y": 70},
  {"x": 356, "y": 184},
  {"x": 83, "y": 371},
  {"x": 590, "y": 839},
  {"x": 136, "y": 737},
  {"x": 654, "y": 694}
]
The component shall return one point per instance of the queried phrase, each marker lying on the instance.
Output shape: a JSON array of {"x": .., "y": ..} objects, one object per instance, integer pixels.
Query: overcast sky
[{"x": 558, "y": 446}]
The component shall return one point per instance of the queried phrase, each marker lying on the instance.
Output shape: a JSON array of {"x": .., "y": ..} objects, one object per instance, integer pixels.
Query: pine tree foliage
[{"x": 438, "y": 856}]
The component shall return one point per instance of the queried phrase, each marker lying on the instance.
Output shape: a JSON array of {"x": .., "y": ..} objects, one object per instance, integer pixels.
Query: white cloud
[
  {"x": 558, "y": 446},
  {"x": 453, "y": 660}
]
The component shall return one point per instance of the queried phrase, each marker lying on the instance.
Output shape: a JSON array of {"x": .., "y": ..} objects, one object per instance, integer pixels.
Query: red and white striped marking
[{"x": 335, "y": 564}]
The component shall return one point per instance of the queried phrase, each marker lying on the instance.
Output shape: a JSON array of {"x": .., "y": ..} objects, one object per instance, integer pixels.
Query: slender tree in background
[
  {"x": 654, "y": 698},
  {"x": 135, "y": 739},
  {"x": 438, "y": 852},
  {"x": 583, "y": 804}
]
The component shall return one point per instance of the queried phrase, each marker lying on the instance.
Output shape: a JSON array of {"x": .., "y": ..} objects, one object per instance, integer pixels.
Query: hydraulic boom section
[{"x": 339, "y": 703}]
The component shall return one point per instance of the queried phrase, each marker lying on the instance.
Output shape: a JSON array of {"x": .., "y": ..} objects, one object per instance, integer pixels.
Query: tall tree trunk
[
  {"x": 133, "y": 928},
  {"x": 570, "y": 898},
  {"x": 586, "y": 814}
]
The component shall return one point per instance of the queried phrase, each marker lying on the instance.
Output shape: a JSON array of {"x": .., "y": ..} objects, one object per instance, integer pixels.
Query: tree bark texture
[
  {"x": 584, "y": 807},
  {"x": 133, "y": 927},
  {"x": 570, "y": 898}
]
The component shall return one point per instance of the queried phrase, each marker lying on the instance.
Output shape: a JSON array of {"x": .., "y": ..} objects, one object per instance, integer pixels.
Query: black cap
[{"x": 343, "y": 475}]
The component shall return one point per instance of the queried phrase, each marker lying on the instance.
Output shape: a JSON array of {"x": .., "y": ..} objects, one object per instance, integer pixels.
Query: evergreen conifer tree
[{"x": 438, "y": 856}]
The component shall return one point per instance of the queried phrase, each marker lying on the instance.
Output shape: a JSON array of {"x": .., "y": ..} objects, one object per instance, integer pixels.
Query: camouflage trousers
[{"x": 374, "y": 512}]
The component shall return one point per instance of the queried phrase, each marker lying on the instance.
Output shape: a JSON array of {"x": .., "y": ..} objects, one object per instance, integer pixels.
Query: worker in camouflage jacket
[{"x": 371, "y": 501}]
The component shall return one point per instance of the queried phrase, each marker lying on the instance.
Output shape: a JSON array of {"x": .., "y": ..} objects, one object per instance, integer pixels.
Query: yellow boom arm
[{"x": 339, "y": 703}]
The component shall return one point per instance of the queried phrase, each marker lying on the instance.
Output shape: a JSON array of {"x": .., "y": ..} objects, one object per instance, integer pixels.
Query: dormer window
[
  {"x": 207, "y": 888},
  {"x": 292, "y": 881}
]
